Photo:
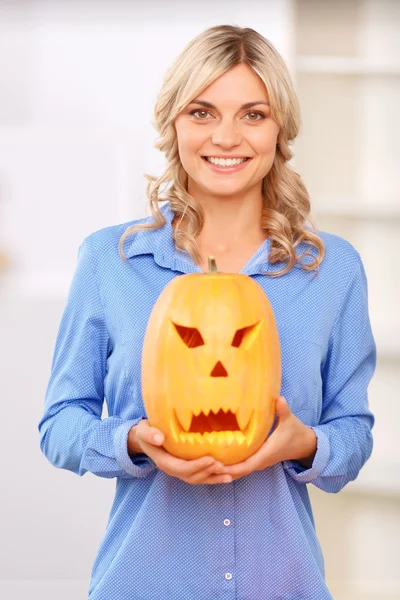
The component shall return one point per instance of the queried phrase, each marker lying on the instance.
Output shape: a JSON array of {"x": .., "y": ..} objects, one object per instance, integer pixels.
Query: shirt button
[
  {"x": 228, "y": 575},
  {"x": 227, "y": 522}
]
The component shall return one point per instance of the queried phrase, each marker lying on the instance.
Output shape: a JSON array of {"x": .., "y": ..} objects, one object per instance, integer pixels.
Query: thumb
[
  {"x": 282, "y": 408},
  {"x": 155, "y": 436},
  {"x": 149, "y": 434},
  {"x": 158, "y": 437}
]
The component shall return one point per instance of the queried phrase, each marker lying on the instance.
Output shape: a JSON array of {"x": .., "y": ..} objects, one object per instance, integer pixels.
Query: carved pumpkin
[{"x": 211, "y": 366}]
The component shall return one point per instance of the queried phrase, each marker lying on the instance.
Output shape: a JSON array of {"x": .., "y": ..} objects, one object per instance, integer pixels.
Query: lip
[{"x": 232, "y": 169}]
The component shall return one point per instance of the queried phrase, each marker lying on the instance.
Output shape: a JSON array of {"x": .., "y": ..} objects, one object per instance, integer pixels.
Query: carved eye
[
  {"x": 246, "y": 335},
  {"x": 189, "y": 335}
]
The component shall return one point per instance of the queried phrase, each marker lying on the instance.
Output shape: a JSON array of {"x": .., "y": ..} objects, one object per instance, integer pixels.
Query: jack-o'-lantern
[{"x": 211, "y": 366}]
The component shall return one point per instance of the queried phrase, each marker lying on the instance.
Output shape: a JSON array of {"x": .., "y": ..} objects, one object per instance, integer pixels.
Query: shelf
[{"x": 344, "y": 65}]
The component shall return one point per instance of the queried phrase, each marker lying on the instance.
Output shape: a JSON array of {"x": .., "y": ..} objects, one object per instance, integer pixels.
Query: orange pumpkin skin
[{"x": 211, "y": 366}]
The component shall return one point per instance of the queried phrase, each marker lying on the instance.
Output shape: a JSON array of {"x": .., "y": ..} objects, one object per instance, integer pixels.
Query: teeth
[
  {"x": 197, "y": 410},
  {"x": 225, "y": 162},
  {"x": 229, "y": 436},
  {"x": 185, "y": 417},
  {"x": 199, "y": 438},
  {"x": 240, "y": 438},
  {"x": 221, "y": 438},
  {"x": 191, "y": 438},
  {"x": 243, "y": 416}
]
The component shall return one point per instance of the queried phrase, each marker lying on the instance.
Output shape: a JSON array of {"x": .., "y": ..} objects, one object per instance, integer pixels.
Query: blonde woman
[{"x": 198, "y": 529}]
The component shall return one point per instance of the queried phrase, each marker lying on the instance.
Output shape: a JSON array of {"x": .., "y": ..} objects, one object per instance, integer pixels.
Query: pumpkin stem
[{"x": 212, "y": 265}]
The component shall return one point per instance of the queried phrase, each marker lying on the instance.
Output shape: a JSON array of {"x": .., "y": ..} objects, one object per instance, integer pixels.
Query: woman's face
[{"x": 228, "y": 129}]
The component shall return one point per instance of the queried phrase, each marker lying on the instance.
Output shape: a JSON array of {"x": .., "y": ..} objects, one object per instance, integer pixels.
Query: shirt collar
[{"x": 160, "y": 243}]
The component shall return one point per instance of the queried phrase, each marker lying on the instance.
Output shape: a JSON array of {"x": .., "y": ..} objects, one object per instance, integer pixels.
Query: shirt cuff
[
  {"x": 137, "y": 466},
  {"x": 304, "y": 475}
]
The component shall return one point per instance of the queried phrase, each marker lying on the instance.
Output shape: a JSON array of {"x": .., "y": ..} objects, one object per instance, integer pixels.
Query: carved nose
[{"x": 219, "y": 370}]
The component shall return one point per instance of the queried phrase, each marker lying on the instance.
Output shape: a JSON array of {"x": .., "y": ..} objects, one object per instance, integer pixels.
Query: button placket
[{"x": 227, "y": 558}]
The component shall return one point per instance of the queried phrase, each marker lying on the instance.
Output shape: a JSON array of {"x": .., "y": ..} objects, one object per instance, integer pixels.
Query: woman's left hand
[{"x": 290, "y": 440}]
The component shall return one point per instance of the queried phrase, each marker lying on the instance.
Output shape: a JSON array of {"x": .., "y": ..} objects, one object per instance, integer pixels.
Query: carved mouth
[
  {"x": 220, "y": 421},
  {"x": 213, "y": 428}
]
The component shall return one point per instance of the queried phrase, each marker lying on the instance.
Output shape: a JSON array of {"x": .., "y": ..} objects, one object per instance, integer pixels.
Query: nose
[
  {"x": 226, "y": 135},
  {"x": 219, "y": 370}
]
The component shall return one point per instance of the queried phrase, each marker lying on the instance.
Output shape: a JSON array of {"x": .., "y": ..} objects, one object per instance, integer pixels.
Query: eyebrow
[{"x": 209, "y": 105}]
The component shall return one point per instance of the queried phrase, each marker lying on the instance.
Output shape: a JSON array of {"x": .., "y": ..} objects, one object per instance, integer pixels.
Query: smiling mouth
[
  {"x": 244, "y": 162},
  {"x": 215, "y": 428}
]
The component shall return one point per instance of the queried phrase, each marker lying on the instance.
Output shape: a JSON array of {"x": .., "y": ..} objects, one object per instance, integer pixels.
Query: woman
[{"x": 199, "y": 529}]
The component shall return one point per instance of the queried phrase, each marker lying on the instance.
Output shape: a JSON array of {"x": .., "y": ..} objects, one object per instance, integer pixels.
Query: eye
[
  {"x": 245, "y": 336},
  {"x": 189, "y": 335},
  {"x": 258, "y": 113},
  {"x": 198, "y": 110}
]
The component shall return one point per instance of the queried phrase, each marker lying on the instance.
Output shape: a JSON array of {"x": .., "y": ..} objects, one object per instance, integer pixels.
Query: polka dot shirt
[{"x": 253, "y": 538}]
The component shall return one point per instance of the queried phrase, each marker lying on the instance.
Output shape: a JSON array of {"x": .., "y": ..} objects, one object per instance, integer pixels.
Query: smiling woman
[
  {"x": 220, "y": 102},
  {"x": 236, "y": 523}
]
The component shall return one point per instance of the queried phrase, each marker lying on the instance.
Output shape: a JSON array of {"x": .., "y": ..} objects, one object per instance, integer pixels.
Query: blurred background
[{"x": 78, "y": 82}]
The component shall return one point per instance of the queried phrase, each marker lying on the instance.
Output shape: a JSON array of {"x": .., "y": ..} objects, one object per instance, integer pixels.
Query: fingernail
[{"x": 157, "y": 438}]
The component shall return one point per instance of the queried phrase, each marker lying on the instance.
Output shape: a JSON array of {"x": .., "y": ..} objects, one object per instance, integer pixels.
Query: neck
[{"x": 229, "y": 222}]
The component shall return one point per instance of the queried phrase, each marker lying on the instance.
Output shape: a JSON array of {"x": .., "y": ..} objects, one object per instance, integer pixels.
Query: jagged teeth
[
  {"x": 196, "y": 410},
  {"x": 184, "y": 414},
  {"x": 243, "y": 416},
  {"x": 185, "y": 417},
  {"x": 229, "y": 436},
  {"x": 191, "y": 438},
  {"x": 215, "y": 437}
]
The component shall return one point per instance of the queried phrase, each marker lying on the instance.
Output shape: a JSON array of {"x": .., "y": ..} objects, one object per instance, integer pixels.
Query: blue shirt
[{"x": 253, "y": 538}]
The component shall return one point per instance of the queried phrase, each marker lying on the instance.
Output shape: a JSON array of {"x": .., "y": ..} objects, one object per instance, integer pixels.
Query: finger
[
  {"x": 282, "y": 408},
  {"x": 238, "y": 470},
  {"x": 214, "y": 469},
  {"x": 188, "y": 468},
  {"x": 242, "y": 468},
  {"x": 177, "y": 467},
  {"x": 158, "y": 455},
  {"x": 151, "y": 435}
]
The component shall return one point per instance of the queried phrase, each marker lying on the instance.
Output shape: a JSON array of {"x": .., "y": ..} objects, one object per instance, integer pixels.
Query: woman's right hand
[{"x": 200, "y": 470}]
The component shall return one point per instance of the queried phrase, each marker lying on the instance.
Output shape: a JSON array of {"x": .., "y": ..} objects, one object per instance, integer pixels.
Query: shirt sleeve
[
  {"x": 73, "y": 435},
  {"x": 344, "y": 439}
]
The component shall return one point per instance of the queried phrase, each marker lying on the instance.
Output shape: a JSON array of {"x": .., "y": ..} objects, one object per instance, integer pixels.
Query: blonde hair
[{"x": 286, "y": 203}]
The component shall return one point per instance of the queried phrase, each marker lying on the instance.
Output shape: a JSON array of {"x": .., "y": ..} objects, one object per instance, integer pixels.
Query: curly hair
[{"x": 286, "y": 202}]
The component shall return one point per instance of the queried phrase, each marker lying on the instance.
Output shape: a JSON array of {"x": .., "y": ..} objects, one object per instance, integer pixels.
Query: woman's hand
[
  {"x": 201, "y": 470},
  {"x": 290, "y": 440}
]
